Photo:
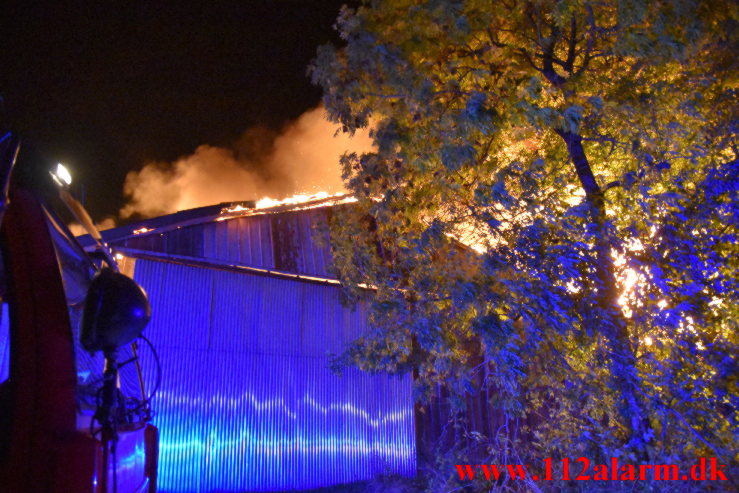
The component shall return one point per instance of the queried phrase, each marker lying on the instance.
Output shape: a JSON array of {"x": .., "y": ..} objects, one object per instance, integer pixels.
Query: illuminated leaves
[{"x": 469, "y": 101}]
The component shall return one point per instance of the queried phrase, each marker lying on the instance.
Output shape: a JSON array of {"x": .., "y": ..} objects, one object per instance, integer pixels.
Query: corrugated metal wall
[
  {"x": 248, "y": 403},
  {"x": 282, "y": 241}
]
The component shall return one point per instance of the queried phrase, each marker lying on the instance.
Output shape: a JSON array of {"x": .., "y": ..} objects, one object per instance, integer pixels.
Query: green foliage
[{"x": 577, "y": 145}]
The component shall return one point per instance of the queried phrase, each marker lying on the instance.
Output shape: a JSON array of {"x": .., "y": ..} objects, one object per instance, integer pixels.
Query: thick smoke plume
[{"x": 303, "y": 159}]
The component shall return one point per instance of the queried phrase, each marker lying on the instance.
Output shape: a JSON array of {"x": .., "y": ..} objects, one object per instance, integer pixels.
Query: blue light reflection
[{"x": 247, "y": 401}]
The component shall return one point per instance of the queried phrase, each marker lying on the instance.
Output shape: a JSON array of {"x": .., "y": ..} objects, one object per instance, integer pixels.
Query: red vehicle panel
[{"x": 45, "y": 440}]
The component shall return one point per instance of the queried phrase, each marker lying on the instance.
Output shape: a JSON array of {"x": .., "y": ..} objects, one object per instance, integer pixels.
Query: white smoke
[{"x": 303, "y": 159}]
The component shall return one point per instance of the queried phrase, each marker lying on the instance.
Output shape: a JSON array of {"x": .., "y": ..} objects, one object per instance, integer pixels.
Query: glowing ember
[
  {"x": 235, "y": 208},
  {"x": 141, "y": 231}
]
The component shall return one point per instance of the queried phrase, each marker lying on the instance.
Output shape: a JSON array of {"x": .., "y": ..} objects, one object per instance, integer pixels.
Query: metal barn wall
[
  {"x": 282, "y": 241},
  {"x": 248, "y": 403}
]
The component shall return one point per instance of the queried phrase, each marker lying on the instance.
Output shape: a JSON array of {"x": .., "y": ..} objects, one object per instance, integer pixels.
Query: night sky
[{"x": 107, "y": 86}]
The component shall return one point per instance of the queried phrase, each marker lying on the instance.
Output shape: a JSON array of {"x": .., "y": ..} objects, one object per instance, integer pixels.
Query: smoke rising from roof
[{"x": 303, "y": 158}]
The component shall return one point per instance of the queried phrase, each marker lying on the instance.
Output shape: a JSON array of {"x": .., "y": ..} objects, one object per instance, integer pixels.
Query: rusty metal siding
[
  {"x": 285, "y": 242},
  {"x": 295, "y": 245},
  {"x": 247, "y": 401}
]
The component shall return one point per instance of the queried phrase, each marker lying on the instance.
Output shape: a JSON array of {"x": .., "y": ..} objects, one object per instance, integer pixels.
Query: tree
[{"x": 587, "y": 149}]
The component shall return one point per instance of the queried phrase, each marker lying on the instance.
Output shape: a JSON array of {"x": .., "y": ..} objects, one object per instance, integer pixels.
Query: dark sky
[{"x": 105, "y": 86}]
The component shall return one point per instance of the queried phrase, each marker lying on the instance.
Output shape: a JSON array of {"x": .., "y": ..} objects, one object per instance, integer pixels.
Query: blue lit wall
[
  {"x": 247, "y": 402},
  {"x": 4, "y": 342}
]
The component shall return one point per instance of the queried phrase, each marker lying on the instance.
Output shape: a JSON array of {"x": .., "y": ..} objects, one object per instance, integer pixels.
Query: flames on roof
[{"x": 296, "y": 203}]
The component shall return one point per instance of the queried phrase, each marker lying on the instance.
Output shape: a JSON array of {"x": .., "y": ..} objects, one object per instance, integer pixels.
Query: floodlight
[{"x": 61, "y": 175}]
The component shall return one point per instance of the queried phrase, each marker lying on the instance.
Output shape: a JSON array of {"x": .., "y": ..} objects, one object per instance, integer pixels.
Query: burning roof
[
  {"x": 281, "y": 237},
  {"x": 219, "y": 212}
]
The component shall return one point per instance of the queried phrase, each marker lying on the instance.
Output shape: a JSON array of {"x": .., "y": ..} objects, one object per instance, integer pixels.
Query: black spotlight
[{"x": 116, "y": 312}]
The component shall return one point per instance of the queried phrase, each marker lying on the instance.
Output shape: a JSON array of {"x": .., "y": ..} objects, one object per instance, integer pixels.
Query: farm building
[{"x": 245, "y": 318}]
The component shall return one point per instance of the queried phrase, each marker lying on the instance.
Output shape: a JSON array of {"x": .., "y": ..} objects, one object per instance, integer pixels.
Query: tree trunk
[{"x": 632, "y": 407}]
